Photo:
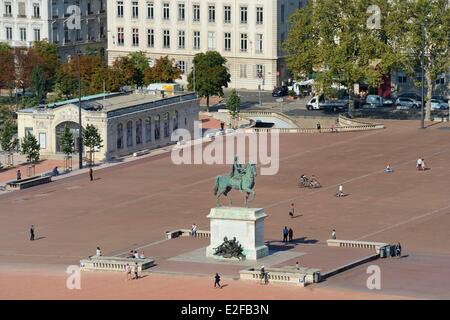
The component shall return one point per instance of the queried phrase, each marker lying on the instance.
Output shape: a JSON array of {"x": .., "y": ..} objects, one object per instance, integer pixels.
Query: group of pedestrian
[
  {"x": 135, "y": 270},
  {"x": 288, "y": 234},
  {"x": 133, "y": 254}
]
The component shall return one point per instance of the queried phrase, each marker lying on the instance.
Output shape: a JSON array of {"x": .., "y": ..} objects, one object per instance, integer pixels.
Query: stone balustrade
[
  {"x": 187, "y": 233},
  {"x": 357, "y": 244},
  {"x": 102, "y": 263},
  {"x": 27, "y": 183},
  {"x": 302, "y": 276}
]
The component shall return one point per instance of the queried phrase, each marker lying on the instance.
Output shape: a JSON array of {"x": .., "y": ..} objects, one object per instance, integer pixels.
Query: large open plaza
[{"x": 131, "y": 206}]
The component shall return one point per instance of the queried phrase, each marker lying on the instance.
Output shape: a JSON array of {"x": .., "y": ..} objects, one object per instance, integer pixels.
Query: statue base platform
[{"x": 246, "y": 224}]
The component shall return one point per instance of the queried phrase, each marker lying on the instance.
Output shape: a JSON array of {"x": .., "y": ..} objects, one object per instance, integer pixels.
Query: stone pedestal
[{"x": 246, "y": 224}]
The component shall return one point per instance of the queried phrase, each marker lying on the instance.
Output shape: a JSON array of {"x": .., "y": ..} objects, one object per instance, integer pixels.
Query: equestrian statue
[{"x": 241, "y": 178}]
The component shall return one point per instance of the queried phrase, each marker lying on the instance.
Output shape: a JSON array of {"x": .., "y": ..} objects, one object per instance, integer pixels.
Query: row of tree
[
  {"x": 30, "y": 147},
  {"x": 363, "y": 40}
]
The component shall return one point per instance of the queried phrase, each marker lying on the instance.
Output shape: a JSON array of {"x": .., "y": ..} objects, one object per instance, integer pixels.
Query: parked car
[
  {"x": 406, "y": 103},
  {"x": 375, "y": 101},
  {"x": 410, "y": 95},
  {"x": 280, "y": 91},
  {"x": 438, "y": 105}
]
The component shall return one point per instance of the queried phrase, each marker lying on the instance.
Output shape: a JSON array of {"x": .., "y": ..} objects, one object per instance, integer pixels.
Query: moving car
[
  {"x": 280, "y": 91},
  {"x": 406, "y": 103},
  {"x": 316, "y": 103},
  {"x": 375, "y": 101}
]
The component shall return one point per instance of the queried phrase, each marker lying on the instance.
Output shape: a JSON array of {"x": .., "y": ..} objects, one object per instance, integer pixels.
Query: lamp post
[
  {"x": 422, "y": 71},
  {"x": 80, "y": 128}
]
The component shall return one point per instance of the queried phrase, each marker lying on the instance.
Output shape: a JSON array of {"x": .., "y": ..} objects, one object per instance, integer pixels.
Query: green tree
[
  {"x": 8, "y": 141},
  {"x": 209, "y": 75},
  {"x": 163, "y": 71},
  {"x": 233, "y": 104},
  {"x": 7, "y": 75},
  {"x": 50, "y": 63},
  {"x": 67, "y": 141},
  {"x": 92, "y": 140},
  {"x": 140, "y": 64},
  {"x": 425, "y": 28},
  {"x": 30, "y": 147},
  {"x": 332, "y": 38},
  {"x": 38, "y": 82}
]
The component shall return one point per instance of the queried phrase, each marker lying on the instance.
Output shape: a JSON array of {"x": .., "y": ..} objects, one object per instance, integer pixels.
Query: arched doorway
[{"x": 73, "y": 127}]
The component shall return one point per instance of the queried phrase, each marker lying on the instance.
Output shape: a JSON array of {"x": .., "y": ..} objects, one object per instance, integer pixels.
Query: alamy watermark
[
  {"x": 374, "y": 21},
  {"x": 374, "y": 280},
  {"x": 261, "y": 148},
  {"x": 73, "y": 281},
  {"x": 74, "y": 20}
]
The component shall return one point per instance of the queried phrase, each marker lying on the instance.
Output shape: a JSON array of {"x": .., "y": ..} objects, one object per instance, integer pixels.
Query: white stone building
[
  {"x": 127, "y": 122},
  {"x": 24, "y": 21},
  {"x": 247, "y": 33}
]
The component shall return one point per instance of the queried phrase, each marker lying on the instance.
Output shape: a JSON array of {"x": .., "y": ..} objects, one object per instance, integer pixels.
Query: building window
[
  {"x": 211, "y": 13},
  {"x": 120, "y": 37},
  {"x": 138, "y": 132},
  {"x": 42, "y": 140},
  {"x": 23, "y": 34},
  {"x": 402, "y": 78},
  {"x": 8, "y": 9},
  {"x": 181, "y": 12},
  {"x": 28, "y": 130},
  {"x": 196, "y": 13},
  {"x": 175, "y": 121},
  {"x": 129, "y": 133},
  {"x": 243, "y": 15},
  {"x": 157, "y": 127},
  {"x": 135, "y": 37},
  {"x": 244, "y": 39},
  {"x": 22, "y": 12},
  {"x": 150, "y": 10},
  {"x": 259, "y": 43},
  {"x": 166, "y": 125},
  {"x": 37, "y": 34},
  {"x": 120, "y": 136},
  {"x": 282, "y": 13},
  {"x": 182, "y": 66},
  {"x": 166, "y": 11},
  {"x": 148, "y": 129},
  {"x": 181, "y": 39},
  {"x": 242, "y": 71},
  {"x": 259, "y": 71},
  {"x": 259, "y": 15},
  {"x": 211, "y": 40},
  {"x": 196, "y": 39},
  {"x": 227, "y": 41},
  {"x": 166, "y": 38},
  {"x": 36, "y": 10},
  {"x": 55, "y": 34},
  {"x": 135, "y": 9},
  {"x": 120, "y": 9},
  {"x": 227, "y": 14},
  {"x": 150, "y": 38},
  {"x": 8, "y": 33}
]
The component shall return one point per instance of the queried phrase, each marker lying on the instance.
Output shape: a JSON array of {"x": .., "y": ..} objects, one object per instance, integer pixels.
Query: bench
[
  {"x": 102, "y": 263},
  {"x": 141, "y": 153},
  {"x": 27, "y": 183},
  {"x": 357, "y": 244},
  {"x": 187, "y": 233},
  {"x": 303, "y": 276}
]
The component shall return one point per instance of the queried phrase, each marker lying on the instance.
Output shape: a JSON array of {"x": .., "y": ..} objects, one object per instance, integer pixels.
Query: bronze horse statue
[{"x": 243, "y": 181}]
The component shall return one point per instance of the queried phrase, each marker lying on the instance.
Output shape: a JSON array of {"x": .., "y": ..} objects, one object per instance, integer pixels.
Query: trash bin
[
  {"x": 317, "y": 277},
  {"x": 388, "y": 251}
]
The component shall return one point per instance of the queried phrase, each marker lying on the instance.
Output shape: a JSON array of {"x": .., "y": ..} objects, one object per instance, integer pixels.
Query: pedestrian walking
[
  {"x": 217, "y": 281},
  {"x": 91, "y": 174},
  {"x": 128, "y": 271},
  {"x": 18, "y": 175},
  {"x": 398, "y": 250},
  {"x": 266, "y": 277},
  {"x": 297, "y": 266},
  {"x": 32, "y": 233},
  {"x": 285, "y": 234},
  {"x": 291, "y": 234},
  {"x": 263, "y": 273},
  {"x": 340, "y": 192},
  {"x": 419, "y": 164},
  {"x": 319, "y": 126},
  {"x": 98, "y": 252},
  {"x": 222, "y": 126},
  {"x": 142, "y": 255},
  {"x": 194, "y": 230},
  {"x": 136, "y": 269},
  {"x": 333, "y": 235},
  {"x": 292, "y": 210}
]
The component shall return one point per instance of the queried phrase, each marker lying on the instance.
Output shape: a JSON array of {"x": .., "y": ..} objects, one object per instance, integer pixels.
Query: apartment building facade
[
  {"x": 24, "y": 21},
  {"x": 247, "y": 33}
]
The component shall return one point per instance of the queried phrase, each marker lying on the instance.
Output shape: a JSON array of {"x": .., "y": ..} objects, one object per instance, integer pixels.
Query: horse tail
[{"x": 216, "y": 186}]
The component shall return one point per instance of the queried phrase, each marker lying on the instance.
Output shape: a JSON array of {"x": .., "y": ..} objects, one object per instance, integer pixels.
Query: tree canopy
[{"x": 209, "y": 75}]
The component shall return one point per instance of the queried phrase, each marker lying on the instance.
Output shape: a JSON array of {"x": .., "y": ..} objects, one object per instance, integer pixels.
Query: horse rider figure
[{"x": 236, "y": 172}]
